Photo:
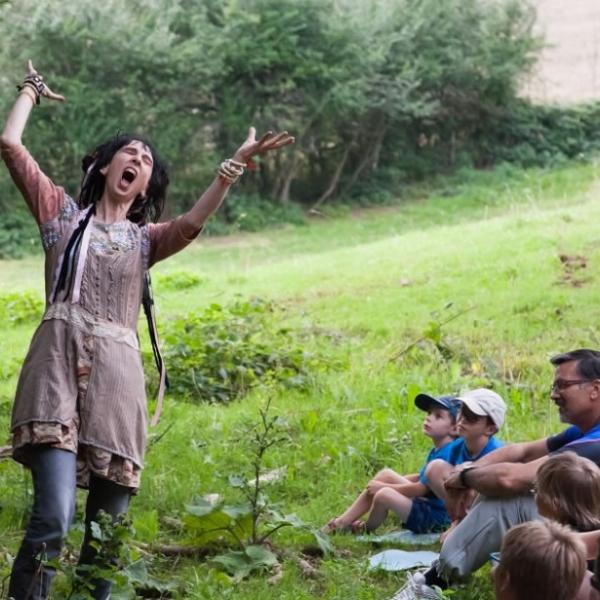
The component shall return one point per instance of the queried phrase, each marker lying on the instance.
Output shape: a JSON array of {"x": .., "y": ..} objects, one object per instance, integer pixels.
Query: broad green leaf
[
  {"x": 235, "y": 562},
  {"x": 201, "y": 507},
  {"x": 138, "y": 572},
  {"x": 236, "y": 481},
  {"x": 237, "y": 511},
  {"x": 261, "y": 556},
  {"x": 96, "y": 531},
  {"x": 323, "y": 541}
]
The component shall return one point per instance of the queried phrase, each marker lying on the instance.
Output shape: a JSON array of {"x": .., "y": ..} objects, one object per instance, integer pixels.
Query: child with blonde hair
[
  {"x": 540, "y": 560},
  {"x": 568, "y": 491}
]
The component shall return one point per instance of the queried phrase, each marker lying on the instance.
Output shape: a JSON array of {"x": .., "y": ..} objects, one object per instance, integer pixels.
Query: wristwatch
[{"x": 462, "y": 476}]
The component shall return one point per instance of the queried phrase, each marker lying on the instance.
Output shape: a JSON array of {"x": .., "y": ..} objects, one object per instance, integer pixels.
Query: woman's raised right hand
[{"x": 47, "y": 92}]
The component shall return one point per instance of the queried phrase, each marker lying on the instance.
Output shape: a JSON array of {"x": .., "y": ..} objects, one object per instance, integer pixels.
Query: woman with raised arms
[{"x": 79, "y": 417}]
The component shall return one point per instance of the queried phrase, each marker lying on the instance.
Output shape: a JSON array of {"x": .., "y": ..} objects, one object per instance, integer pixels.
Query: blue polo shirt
[{"x": 573, "y": 439}]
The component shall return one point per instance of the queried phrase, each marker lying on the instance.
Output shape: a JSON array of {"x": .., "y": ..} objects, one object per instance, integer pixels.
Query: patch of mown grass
[{"x": 375, "y": 286}]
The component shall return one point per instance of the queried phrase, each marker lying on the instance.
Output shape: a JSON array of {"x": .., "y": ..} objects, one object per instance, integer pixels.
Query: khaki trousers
[{"x": 468, "y": 547}]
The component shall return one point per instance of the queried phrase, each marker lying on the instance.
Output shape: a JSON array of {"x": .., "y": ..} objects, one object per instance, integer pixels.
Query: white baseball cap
[{"x": 485, "y": 403}]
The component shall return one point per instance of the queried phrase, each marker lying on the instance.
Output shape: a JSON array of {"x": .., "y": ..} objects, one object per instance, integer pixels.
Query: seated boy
[
  {"x": 406, "y": 495},
  {"x": 410, "y": 496},
  {"x": 540, "y": 560},
  {"x": 476, "y": 426},
  {"x": 568, "y": 491},
  {"x": 481, "y": 415}
]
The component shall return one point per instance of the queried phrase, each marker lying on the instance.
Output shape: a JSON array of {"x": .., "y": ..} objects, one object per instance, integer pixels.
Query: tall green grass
[{"x": 484, "y": 245}]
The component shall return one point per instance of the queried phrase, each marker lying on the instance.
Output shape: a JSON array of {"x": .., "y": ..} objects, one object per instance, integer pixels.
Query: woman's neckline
[{"x": 112, "y": 224}]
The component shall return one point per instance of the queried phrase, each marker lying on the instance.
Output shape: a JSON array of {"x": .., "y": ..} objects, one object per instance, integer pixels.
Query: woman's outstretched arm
[
  {"x": 212, "y": 198},
  {"x": 43, "y": 198},
  {"x": 18, "y": 116},
  {"x": 171, "y": 237}
]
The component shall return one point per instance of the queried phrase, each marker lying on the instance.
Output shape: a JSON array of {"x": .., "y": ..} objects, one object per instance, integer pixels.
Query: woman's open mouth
[
  {"x": 129, "y": 175},
  {"x": 127, "y": 178}
]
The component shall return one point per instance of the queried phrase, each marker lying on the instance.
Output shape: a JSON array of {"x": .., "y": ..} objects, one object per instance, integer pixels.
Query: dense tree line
[{"x": 377, "y": 92}]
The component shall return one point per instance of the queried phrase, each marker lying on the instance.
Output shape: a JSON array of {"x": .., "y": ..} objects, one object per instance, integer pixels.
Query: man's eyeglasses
[{"x": 563, "y": 384}]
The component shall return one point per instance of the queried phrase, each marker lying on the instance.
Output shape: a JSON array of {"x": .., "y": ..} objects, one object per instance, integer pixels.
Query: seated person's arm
[
  {"x": 410, "y": 490},
  {"x": 501, "y": 479},
  {"x": 523, "y": 452},
  {"x": 414, "y": 477},
  {"x": 590, "y": 539}
]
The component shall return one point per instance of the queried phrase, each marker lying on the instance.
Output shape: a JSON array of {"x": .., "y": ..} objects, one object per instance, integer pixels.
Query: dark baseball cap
[{"x": 450, "y": 403}]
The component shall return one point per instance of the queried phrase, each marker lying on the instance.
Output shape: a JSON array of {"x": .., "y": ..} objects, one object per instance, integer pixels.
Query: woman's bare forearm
[
  {"x": 17, "y": 118},
  {"x": 212, "y": 198},
  {"x": 208, "y": 203}
]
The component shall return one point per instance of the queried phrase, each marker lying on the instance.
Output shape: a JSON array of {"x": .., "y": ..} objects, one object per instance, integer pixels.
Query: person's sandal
[
  {"x": 358, "y": 526},
  {"x": 332, "y": 526}
]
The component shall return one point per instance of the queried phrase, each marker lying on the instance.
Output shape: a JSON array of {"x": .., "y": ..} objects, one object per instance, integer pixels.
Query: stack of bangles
[
  {"x": 231, "y": 170},
  {"x": 34, "y": 83}
]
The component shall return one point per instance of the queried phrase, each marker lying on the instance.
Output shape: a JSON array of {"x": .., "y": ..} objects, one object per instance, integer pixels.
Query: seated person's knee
[
  {"x": 385, "y": 474},
  {"x": 437, "y": 468},
  {"x": 384, "y": 495}
]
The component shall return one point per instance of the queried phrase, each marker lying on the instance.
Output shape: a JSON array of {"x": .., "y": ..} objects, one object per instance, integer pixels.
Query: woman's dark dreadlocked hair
[{"x": 145, "y": 209}]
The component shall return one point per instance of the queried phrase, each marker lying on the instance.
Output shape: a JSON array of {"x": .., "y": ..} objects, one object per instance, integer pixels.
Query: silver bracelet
[{"x": 231, "y": 170}]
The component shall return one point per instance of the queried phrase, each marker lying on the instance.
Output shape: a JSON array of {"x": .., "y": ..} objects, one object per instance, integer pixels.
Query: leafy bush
[
  {"x": 220, "y": 354},
  {"x": 178, "y": 280},
  {"x": 22, "y": 307},
  {"x": 18, "y": 234},
  {"x": 542, "y": 135},
  {"x": 359, "y": 86},
  {"x": 377, "y": 94},
  {"x": 116, "y": 561},
  {"x": 253, "y": 213},
  {"x": 247, "y": 526}
]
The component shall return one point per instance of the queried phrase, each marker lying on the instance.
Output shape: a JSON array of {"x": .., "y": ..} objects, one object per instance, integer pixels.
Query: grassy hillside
[{"x": 364, "y": 288}]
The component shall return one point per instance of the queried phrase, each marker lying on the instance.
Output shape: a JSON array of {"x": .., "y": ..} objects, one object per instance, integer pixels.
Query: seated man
[{"x": 505, "y": 477}]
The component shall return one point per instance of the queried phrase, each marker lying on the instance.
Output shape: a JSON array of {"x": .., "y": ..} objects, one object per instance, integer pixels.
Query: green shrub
[
  {"x": 20, "y": 307},
  {"x": 540, "y": 135},
  {"x": 221, "y": 353},
  {"x": 253, "y": 213},
  {"x": 18, "y": 234},
  {"x": 178, "y": 280}
]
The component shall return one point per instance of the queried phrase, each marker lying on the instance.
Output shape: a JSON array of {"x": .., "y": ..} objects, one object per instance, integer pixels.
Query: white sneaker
[{"x": 415, "y": 588}]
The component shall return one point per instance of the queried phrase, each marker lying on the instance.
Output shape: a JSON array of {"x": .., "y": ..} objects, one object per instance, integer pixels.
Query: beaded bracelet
[
  {"x": 36, "y": 83},
  {"x": 231, "y": 170}
]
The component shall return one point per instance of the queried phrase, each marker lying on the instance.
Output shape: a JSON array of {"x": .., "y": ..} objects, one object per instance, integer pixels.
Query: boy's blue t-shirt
[
  {"x": 459, "y": 454},
  {"x": 454, "y": 453},
  {"x": 442, "y": 453}
]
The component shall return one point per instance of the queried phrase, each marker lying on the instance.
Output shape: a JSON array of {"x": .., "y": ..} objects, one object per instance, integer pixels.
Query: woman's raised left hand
[{"x": 269, "y": 141}]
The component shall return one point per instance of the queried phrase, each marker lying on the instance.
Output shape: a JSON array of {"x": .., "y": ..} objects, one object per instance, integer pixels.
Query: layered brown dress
[{"x": 81, "y": 387}]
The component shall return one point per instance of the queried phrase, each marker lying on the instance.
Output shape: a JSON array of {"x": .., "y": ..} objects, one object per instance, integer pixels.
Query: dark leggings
[{"x": 54, "y": 485}]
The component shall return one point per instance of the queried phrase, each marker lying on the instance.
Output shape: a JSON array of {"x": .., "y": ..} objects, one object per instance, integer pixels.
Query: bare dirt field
[{"x": 569, "y": 67}]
